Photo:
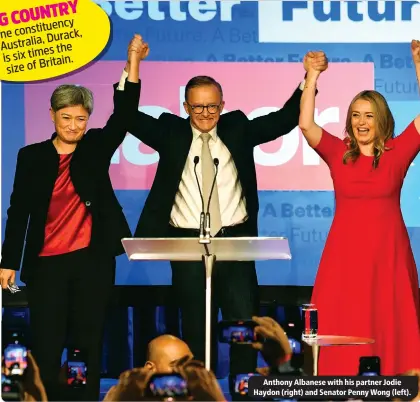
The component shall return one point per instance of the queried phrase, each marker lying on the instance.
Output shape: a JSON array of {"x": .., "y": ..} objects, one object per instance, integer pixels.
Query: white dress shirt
[
  {"x": 188, "y": 206},
  {"x": 124, "y": 76}
]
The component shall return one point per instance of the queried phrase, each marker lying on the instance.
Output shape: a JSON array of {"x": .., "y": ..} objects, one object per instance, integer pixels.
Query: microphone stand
[
  {"x": 202, "y": 239},
  {"x": 208, "y": 258},
  {"x": 208, "y": 221}
]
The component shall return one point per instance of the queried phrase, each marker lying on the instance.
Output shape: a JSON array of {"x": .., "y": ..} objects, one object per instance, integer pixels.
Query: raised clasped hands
[
  {"x": 315, "y": 62},
  {"x": 415, "y": 51},
  {"x": 138, "y": 50}
]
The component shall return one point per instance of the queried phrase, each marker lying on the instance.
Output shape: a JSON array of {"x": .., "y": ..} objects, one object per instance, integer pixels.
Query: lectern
[{"x": 221, "y": 249}]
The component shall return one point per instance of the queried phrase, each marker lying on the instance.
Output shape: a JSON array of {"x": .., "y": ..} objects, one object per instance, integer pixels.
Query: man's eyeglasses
[{"x": 198, "y": 109}]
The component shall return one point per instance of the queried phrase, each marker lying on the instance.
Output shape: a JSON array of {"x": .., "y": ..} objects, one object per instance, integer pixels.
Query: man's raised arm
[
  {"x": 126, "y": 101},
  {"x": 273, "y": 125},
  {"x": 144, "y": 127}
]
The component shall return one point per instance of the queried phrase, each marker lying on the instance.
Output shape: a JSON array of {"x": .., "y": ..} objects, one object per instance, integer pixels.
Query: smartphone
[
  {"x": 238, "y": 384},
  {"x": 15, "y": 359},
  {"x": 370, "y": 366},
  {"x": 295, "y": 345},
  {"x": 11, "y": 389},
  {"x": 76, "y": 369},
  {"x": 14, "y": 366},
  {"x": 282, "y": 399},
  {"x": 167, "y": 386},
  {"x": 237, "y": 331}
]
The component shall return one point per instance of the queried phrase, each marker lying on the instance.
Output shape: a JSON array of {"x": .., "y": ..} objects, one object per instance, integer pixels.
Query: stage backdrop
[{"x": 255, "y": 50}]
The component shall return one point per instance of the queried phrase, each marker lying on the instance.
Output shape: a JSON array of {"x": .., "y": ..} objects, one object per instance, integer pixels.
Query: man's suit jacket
[
  {"x": 171, "y": 136},
  {"x": 36, "y": 173}
]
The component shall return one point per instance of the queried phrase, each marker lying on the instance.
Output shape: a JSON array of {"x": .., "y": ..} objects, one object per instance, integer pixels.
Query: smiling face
[
  {"x": 204, "y": 105},
  {"x": 363, "y": 122},
  {"x": 70, "y": 123},
  {"x": 369, "y": 122},
  {"x": 71, "y": 107}
]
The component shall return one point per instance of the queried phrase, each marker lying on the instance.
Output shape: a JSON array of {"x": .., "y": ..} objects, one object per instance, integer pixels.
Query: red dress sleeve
[
  {"x": 330, "y": 148},
  {"x": 406, "y": 146}
]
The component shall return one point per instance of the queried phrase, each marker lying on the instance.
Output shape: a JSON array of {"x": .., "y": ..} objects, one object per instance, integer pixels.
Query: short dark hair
[
  {"x": 202, "y": 80},
  {"x": 72, "y": 95}
]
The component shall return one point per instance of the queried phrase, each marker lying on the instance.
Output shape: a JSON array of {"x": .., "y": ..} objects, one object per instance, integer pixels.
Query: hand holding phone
[
  {"x": 28, "y": 385},
  {"x": 15, "y": 363},
  {"x": 202, "y": 383},
  {"x": 164, "y": 386},
  {"x": 276, "y": 349},
  {"x": 15, "y": 359},
  {"x": 241, "y": 332}
]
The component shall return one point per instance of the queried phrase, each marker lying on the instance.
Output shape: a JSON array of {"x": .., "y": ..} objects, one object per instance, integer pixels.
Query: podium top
[{"x": 225, "y": 249}]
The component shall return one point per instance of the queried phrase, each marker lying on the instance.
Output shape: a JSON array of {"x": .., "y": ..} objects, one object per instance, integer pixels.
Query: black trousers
[
  {"x": 234, "y": 291},
  {"x": 68, "y": 297}
]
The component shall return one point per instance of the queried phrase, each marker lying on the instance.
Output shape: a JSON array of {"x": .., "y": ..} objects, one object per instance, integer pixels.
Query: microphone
[
  {"x": 216, "y": 163},
  {"x": 202, "y": 216}
]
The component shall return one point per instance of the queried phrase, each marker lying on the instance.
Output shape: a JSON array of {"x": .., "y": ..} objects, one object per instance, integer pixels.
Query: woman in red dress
[{"x": 367, "y": 282}]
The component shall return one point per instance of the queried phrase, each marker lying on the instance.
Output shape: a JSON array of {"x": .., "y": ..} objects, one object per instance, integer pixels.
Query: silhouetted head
[{"x": 165, "y": 352}]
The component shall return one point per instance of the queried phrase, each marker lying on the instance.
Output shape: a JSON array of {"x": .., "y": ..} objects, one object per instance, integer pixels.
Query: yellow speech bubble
[{"x": 46, "y": 39}]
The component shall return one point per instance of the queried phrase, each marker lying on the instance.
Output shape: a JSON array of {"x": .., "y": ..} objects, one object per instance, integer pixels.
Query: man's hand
[
  {"x": 7, "y": 276},
  {"x": 315, "y": 62},
  {"x": 415, "y": 51},
  {"x": 32, "y": 385},
  {"x": 201, "y": 383},
  {"x": 276, "y": 347},
  {"x": 131, "y": 386}
]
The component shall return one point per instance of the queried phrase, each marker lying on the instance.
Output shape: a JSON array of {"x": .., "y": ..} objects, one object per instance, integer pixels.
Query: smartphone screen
[
  {"x": 15, "y": 359},
  {"x": 76, "y": 369},
  {"x": 295, "y": 345},
  {"x": 239, "y": 383},
  {"x": 237, "y": 332},
  {"x": 370, "y": 366},
  {"x": 168, "y": 385}
]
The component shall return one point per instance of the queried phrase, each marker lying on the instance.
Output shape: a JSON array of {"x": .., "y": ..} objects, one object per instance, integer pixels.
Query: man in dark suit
[
  {"x": 62, "y": 187},
  {"x": 173, "y": 206}
]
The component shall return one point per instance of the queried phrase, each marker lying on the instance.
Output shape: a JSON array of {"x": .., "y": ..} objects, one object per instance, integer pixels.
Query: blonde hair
[{"x": 384, "y": 122}]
